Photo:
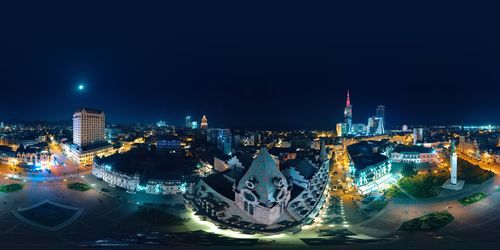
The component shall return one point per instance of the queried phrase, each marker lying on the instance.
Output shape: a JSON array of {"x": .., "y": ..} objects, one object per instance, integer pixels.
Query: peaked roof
[
  {"x": 262, "y": 172},
  {"x": 89, "y": 110}
]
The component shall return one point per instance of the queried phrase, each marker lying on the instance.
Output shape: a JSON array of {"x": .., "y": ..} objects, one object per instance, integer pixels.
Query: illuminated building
[
  {"x": 369, "y": 170},
  {"x": 375, "y": 126},
  {"x": 380, "y": 113},
  {"x": 358, "y": 129},
  {"x": 341, "y": 129},
  {"x": 141, "y": 170},
  {"x": 413, "y": 154},
  {"x": 264, "y": 191},
  {"x": 194, "y": 125},
  {"x": 221, "y": 138},
  {"x": 348, "y": 114},
  {"x": 418, "y": 135},
  {"x": 204, "y": 122},
  {"x": 88, "y": 137},
  {"x": 404, "y": 128},
  {"x": 187, "y": 121},
  {"x": 161, "y": 124},
  {"x": 88, "y": 127}
]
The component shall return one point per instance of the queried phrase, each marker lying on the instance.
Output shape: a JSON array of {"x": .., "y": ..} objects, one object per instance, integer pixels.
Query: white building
[
  {"x": 88, "y": 137},
  {"x": 88, "y": 127},
  {"x": 413, "y": 154}
]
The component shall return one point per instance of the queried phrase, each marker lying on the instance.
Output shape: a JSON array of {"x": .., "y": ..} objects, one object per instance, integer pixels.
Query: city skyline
[{"x": 267, "y": 73}]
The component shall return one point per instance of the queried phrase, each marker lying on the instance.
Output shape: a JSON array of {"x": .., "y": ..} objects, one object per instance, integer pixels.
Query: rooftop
[{"x": 151, "y": 165}]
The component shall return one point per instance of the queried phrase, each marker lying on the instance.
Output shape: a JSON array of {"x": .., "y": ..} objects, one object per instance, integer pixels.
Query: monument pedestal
[{"x": 456, "y": 187}]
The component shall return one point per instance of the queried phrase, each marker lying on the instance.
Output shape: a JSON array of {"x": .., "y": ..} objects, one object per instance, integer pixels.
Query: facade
[
  {"x": 264, "y": 192},
  {"x": 375, "y": 126},
  {"x": 167, "y": 143},
  {"x": 369, "y": 170},
  {"x": 418, "y": 135},
  {"x": 204, "y": 122},
  {"x": 88, "y": 127},
  {"x": 413, "y": 154},
  {"x": 151, "y": 173},
  {"x": 380, "y": 113},
  {"x": 88, "y": 137},
  {"x": 348, "y": 114},
  {"x": 221, "y": 138},
  {"x": 187, "y": 121}
]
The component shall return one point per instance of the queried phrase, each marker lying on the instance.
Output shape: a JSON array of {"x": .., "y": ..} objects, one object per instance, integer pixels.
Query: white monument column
[
  {"x": 453, "y": 164},
  {"x": 453, "y": 183}
]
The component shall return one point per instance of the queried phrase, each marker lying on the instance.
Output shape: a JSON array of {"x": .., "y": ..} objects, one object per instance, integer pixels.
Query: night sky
[{"x": 251, "y": 66}]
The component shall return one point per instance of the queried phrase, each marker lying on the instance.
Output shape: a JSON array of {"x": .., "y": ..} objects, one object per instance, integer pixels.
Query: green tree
[{"x": 408, "y": 170}]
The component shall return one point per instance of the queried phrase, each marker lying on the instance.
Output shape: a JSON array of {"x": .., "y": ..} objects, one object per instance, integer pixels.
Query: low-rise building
[{"x": 413, "y": 154}]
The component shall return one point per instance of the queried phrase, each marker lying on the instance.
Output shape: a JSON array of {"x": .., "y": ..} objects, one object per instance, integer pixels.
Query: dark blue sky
[{"x": 250, "y": 65}]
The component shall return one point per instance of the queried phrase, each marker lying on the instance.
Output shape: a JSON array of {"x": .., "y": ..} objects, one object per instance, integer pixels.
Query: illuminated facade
[
  {"x": 264, "y": 192},
  {"x": 204, "y": 122},
  {"x": 413, "y": 154},
  {"x": 348, "y": 114},
  {"x": 187, "y": 121},
  {"x": 88, "y": 127},
  {"x": 88, "y": 137}
]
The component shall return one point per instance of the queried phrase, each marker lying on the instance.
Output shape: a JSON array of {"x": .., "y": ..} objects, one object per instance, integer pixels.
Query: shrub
[
  {"x": 10, "y": 188},
  {"x": 79, "y": 186},
  {"x": 428, "y": 222}
]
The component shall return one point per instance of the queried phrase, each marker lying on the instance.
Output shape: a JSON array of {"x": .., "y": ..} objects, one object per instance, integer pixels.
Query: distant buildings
[
  {"x": 194, "y": 125},
  {"x": 187, "y": 121},
  {"x": 380, "y": 113},
  {"x": 221, "y": 138},
  {"x": 341, "y": 129},
  {"x": 204, "y": 122}
]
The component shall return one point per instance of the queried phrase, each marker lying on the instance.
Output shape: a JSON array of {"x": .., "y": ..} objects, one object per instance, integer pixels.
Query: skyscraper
[
  {"x": 380, "y": 113},
  {"x": 204, "y": 122},
  {"x": 348, "y": 114},
  {"x": 88, "y": 127},
  {"x": 418, "y": 135},
  {"x": 187, "y": 121}
]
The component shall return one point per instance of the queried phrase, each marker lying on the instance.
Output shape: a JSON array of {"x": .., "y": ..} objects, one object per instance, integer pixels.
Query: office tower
[
  {"x": 88, "y": 127},
  {"x": 187, "y": 121},
  {"x": 348, "y": 114},
  {"x": 418, "y": 135},
  {"x": 375, "y": 126},
  {"x": 204, "y": 122},
  {"x": 380, "y": 113},
  {"x": 194, "y": 125}
]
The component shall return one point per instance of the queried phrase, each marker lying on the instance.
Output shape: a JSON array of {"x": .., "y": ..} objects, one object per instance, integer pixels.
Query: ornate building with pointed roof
[{"x": 263, "y": 192}]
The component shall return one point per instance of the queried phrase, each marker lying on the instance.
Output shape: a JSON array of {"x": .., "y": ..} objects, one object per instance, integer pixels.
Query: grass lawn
[
  {"x": 79, "y": 186},
  {"x": 425, "y": 185},
  {"x": 472, "y": 174},
  {"x": 428, "y": 222},
  {"x": 473, "y": 198},
  {"x": 10, "y": 188},
  {"x": 158, "y": 217},
  {"x": 428, "y": 185}
]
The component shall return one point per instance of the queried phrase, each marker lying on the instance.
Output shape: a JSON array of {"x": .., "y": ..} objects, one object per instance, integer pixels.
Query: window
[
  {"x": 245, "y": 206},
  {"x": 251, "y": 209}
]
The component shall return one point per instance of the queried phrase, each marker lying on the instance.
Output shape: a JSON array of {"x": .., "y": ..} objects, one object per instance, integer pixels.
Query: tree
[{"x": 408, "y": 170}]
